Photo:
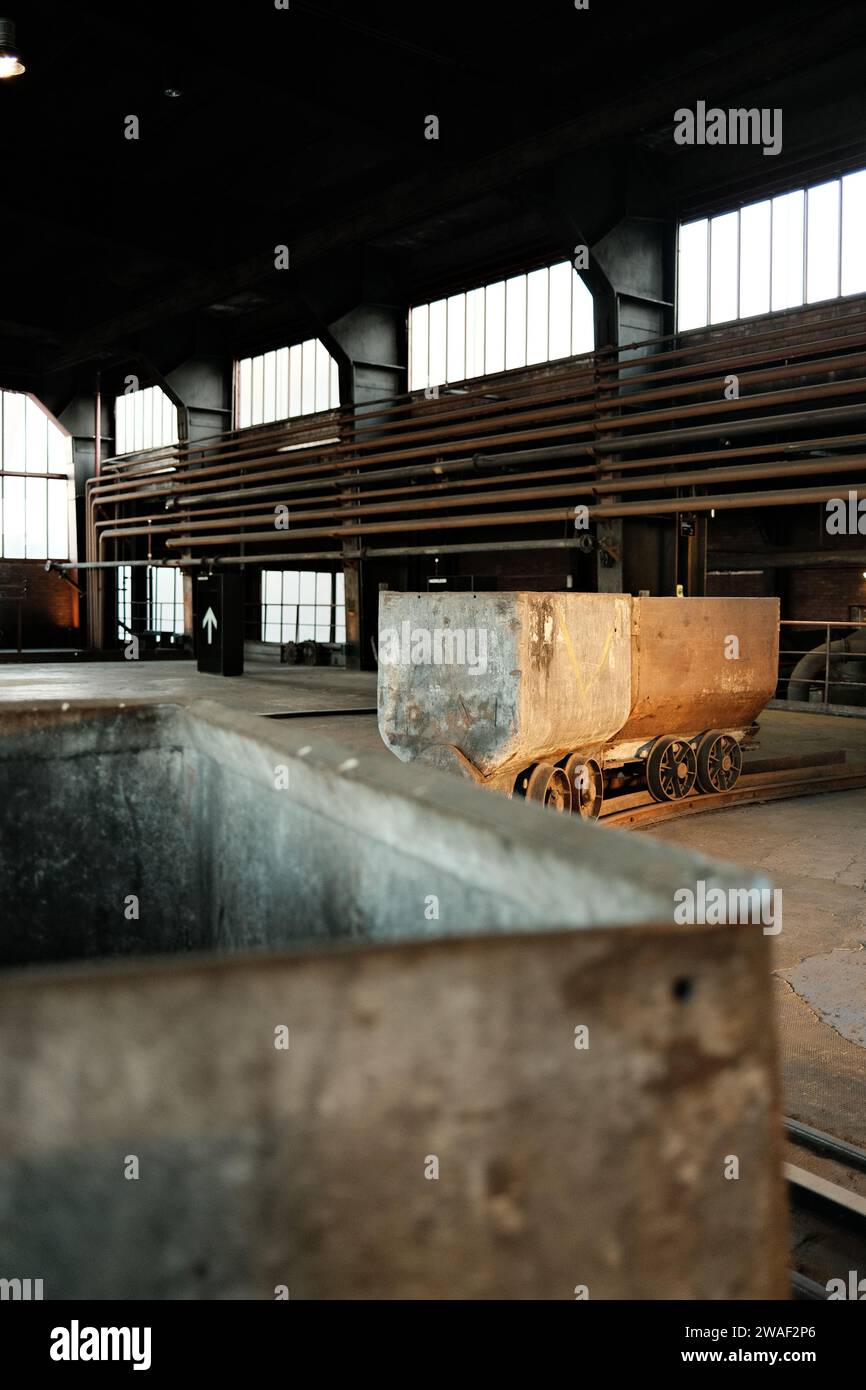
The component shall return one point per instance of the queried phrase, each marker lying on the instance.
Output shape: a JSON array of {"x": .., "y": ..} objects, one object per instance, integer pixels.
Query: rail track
[
  {"x": 762, "y": 779},
  {"x": 827, "y": 1214}
]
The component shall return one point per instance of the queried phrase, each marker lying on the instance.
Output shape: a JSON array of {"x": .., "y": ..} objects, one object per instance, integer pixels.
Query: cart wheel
[
  {"x": 586, "y": 780},
  {"x": 720, "y": 760},
  {"x": 671, "y": 768},
  {"x": 550, "y": 786}
]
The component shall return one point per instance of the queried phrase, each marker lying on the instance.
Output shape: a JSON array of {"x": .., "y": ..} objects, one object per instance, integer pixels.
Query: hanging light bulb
[{"x": 10, "y": 59}]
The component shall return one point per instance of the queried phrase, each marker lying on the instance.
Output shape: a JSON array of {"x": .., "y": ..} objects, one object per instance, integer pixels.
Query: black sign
[{"x": 219, "y": 624}]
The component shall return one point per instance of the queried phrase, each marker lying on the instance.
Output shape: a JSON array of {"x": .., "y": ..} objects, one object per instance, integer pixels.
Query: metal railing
[
  {"x": 823, "y": 685},
  {"x": 137, "y": 616}
]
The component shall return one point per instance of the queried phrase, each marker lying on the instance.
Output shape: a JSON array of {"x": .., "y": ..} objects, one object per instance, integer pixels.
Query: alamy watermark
[
  {"x": 846, "y": 517},
  {"x": 438, "y": 646},
  {"x": 77, "y": 1343},
  {"x": 20, "y": 1290},
  {"x": 736, "y": 126},
  {"x": 854, "y": 1289},
  {"x": 716, "y": 907}
]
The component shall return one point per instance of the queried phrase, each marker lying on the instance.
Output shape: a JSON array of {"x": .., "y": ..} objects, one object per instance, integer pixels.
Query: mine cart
[{"x": 557, "y": 697}]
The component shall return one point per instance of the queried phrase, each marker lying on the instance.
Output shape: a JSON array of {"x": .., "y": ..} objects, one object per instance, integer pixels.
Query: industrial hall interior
[{"x": 433, "y": 652}]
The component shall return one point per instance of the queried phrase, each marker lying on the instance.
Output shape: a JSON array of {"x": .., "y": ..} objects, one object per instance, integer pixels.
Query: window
[
  {"x": 799, "y": 248},
  {"x": 279, "y": 385},
  {"x": 519, "y": 322},
  {"x": 298, "y": 606},
  {"x": 144, "y": 419},
  {"x": 164, "y": 600},
  {"x": 38, "y": 488},
  {"x": 163, "y": 607}
]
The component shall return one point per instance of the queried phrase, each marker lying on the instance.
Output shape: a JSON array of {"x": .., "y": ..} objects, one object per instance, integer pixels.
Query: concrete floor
[
  {"x": 265, "y": 688},
  {"x": 814, "y": 849}
]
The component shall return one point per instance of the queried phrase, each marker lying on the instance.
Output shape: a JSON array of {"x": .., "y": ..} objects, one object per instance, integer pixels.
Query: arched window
[
  {"x": 144, "y": 419},
  {"x": 289, "y": 381},
  {"x": 519, "y": 322},
  {"x": 38, "y": 502}
]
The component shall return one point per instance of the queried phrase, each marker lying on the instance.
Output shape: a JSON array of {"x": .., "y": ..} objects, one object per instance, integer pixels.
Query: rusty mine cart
[{"x": 562, "y": 697}]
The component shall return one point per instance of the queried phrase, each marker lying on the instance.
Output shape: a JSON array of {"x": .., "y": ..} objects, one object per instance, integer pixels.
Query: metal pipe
[
  {"x": 765, "y": 400},
  {"x": 760, "y": 424},
  {"x": 545, "y": 454},
  {"x": 570, "y": 382},
  {"x": 613, "y": 445},
  {"x": 665, "y": 506},
  {"x": 571, "y": 543},
  {"x": 116, "y": 564},
  {"x": 97, "y": 412},
  {"x": 821, "y": 467},
  {"x": 693, "y": 344},
  {"x": 783, "y": 334},
  {"x": 563, "y": 414}
]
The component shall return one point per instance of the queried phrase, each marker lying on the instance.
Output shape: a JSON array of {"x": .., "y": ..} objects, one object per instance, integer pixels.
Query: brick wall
[
  {"x": 523, "y": 569},
  {"x": 50, "y": 609},
  {"x": 825, "y": 593},
  {"x": 732, "y": 585}
]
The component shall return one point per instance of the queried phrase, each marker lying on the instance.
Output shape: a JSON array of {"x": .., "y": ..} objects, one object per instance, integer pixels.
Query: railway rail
[
  {"x": 828, "y": 1215},
  {"x": 765, "y": 779}
]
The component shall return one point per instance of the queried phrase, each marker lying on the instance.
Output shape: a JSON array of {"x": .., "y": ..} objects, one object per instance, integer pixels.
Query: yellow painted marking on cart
[{"x": 584, "y": 686}]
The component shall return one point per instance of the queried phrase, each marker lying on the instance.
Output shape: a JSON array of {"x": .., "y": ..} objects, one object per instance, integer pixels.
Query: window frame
[
  {"x": 493, "y": 359},
  {"x": 290, "y": 627},
  {"x": 289, "y": 368},
  {"x": 782, "y": 256},
  {"x": 62, "y": 491},
  {"x": 168, "y": 437}
]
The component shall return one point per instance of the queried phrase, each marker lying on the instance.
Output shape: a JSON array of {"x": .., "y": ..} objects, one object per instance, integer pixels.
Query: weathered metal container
[
  {"x": 496, "y": 685},
  {"x": 365, "y": 1034},
  {"x": 700, "y": 663},
  {"x": 505, "y": 678}
]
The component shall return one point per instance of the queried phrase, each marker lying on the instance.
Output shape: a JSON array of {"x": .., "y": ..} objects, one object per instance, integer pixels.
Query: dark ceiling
[{"x": 305, "y": 126}]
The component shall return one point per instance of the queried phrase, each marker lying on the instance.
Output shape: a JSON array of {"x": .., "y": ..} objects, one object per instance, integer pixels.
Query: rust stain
[{"x": 542, "y": 635}]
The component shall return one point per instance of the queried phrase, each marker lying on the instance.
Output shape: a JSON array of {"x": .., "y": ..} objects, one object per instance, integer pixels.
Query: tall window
[
  {"x": 528, "y": 319},
  {"x": 278, "y": 385},
  {"x": 163, "y": 605},
  {"x": 144, "y": 419},
  {"x": 38, "y": 489},
  {"x": 297, "y": 606},
  {"x": 164, "y": 600},
  {"x": 798, "y": 248}
]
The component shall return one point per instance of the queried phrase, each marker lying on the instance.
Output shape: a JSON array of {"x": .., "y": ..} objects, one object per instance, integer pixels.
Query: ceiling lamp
[{"x": 10, "y": 59}]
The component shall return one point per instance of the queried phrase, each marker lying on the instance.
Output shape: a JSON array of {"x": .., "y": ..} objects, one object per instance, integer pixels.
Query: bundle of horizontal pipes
[{"x": 472, "y": 458}]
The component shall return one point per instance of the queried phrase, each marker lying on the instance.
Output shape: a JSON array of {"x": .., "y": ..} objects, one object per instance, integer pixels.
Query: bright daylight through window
[
  {"x": 519, "y": 322},
  {"x": 797, "y": 248},
  {"x": 38, "y": 481}
]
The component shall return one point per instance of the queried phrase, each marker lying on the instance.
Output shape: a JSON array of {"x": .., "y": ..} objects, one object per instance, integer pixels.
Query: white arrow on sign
[{"x": 209, "y": 621}]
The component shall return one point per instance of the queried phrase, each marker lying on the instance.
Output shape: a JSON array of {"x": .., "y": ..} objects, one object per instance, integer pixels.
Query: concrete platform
[{"x": 265, "y": 688}]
